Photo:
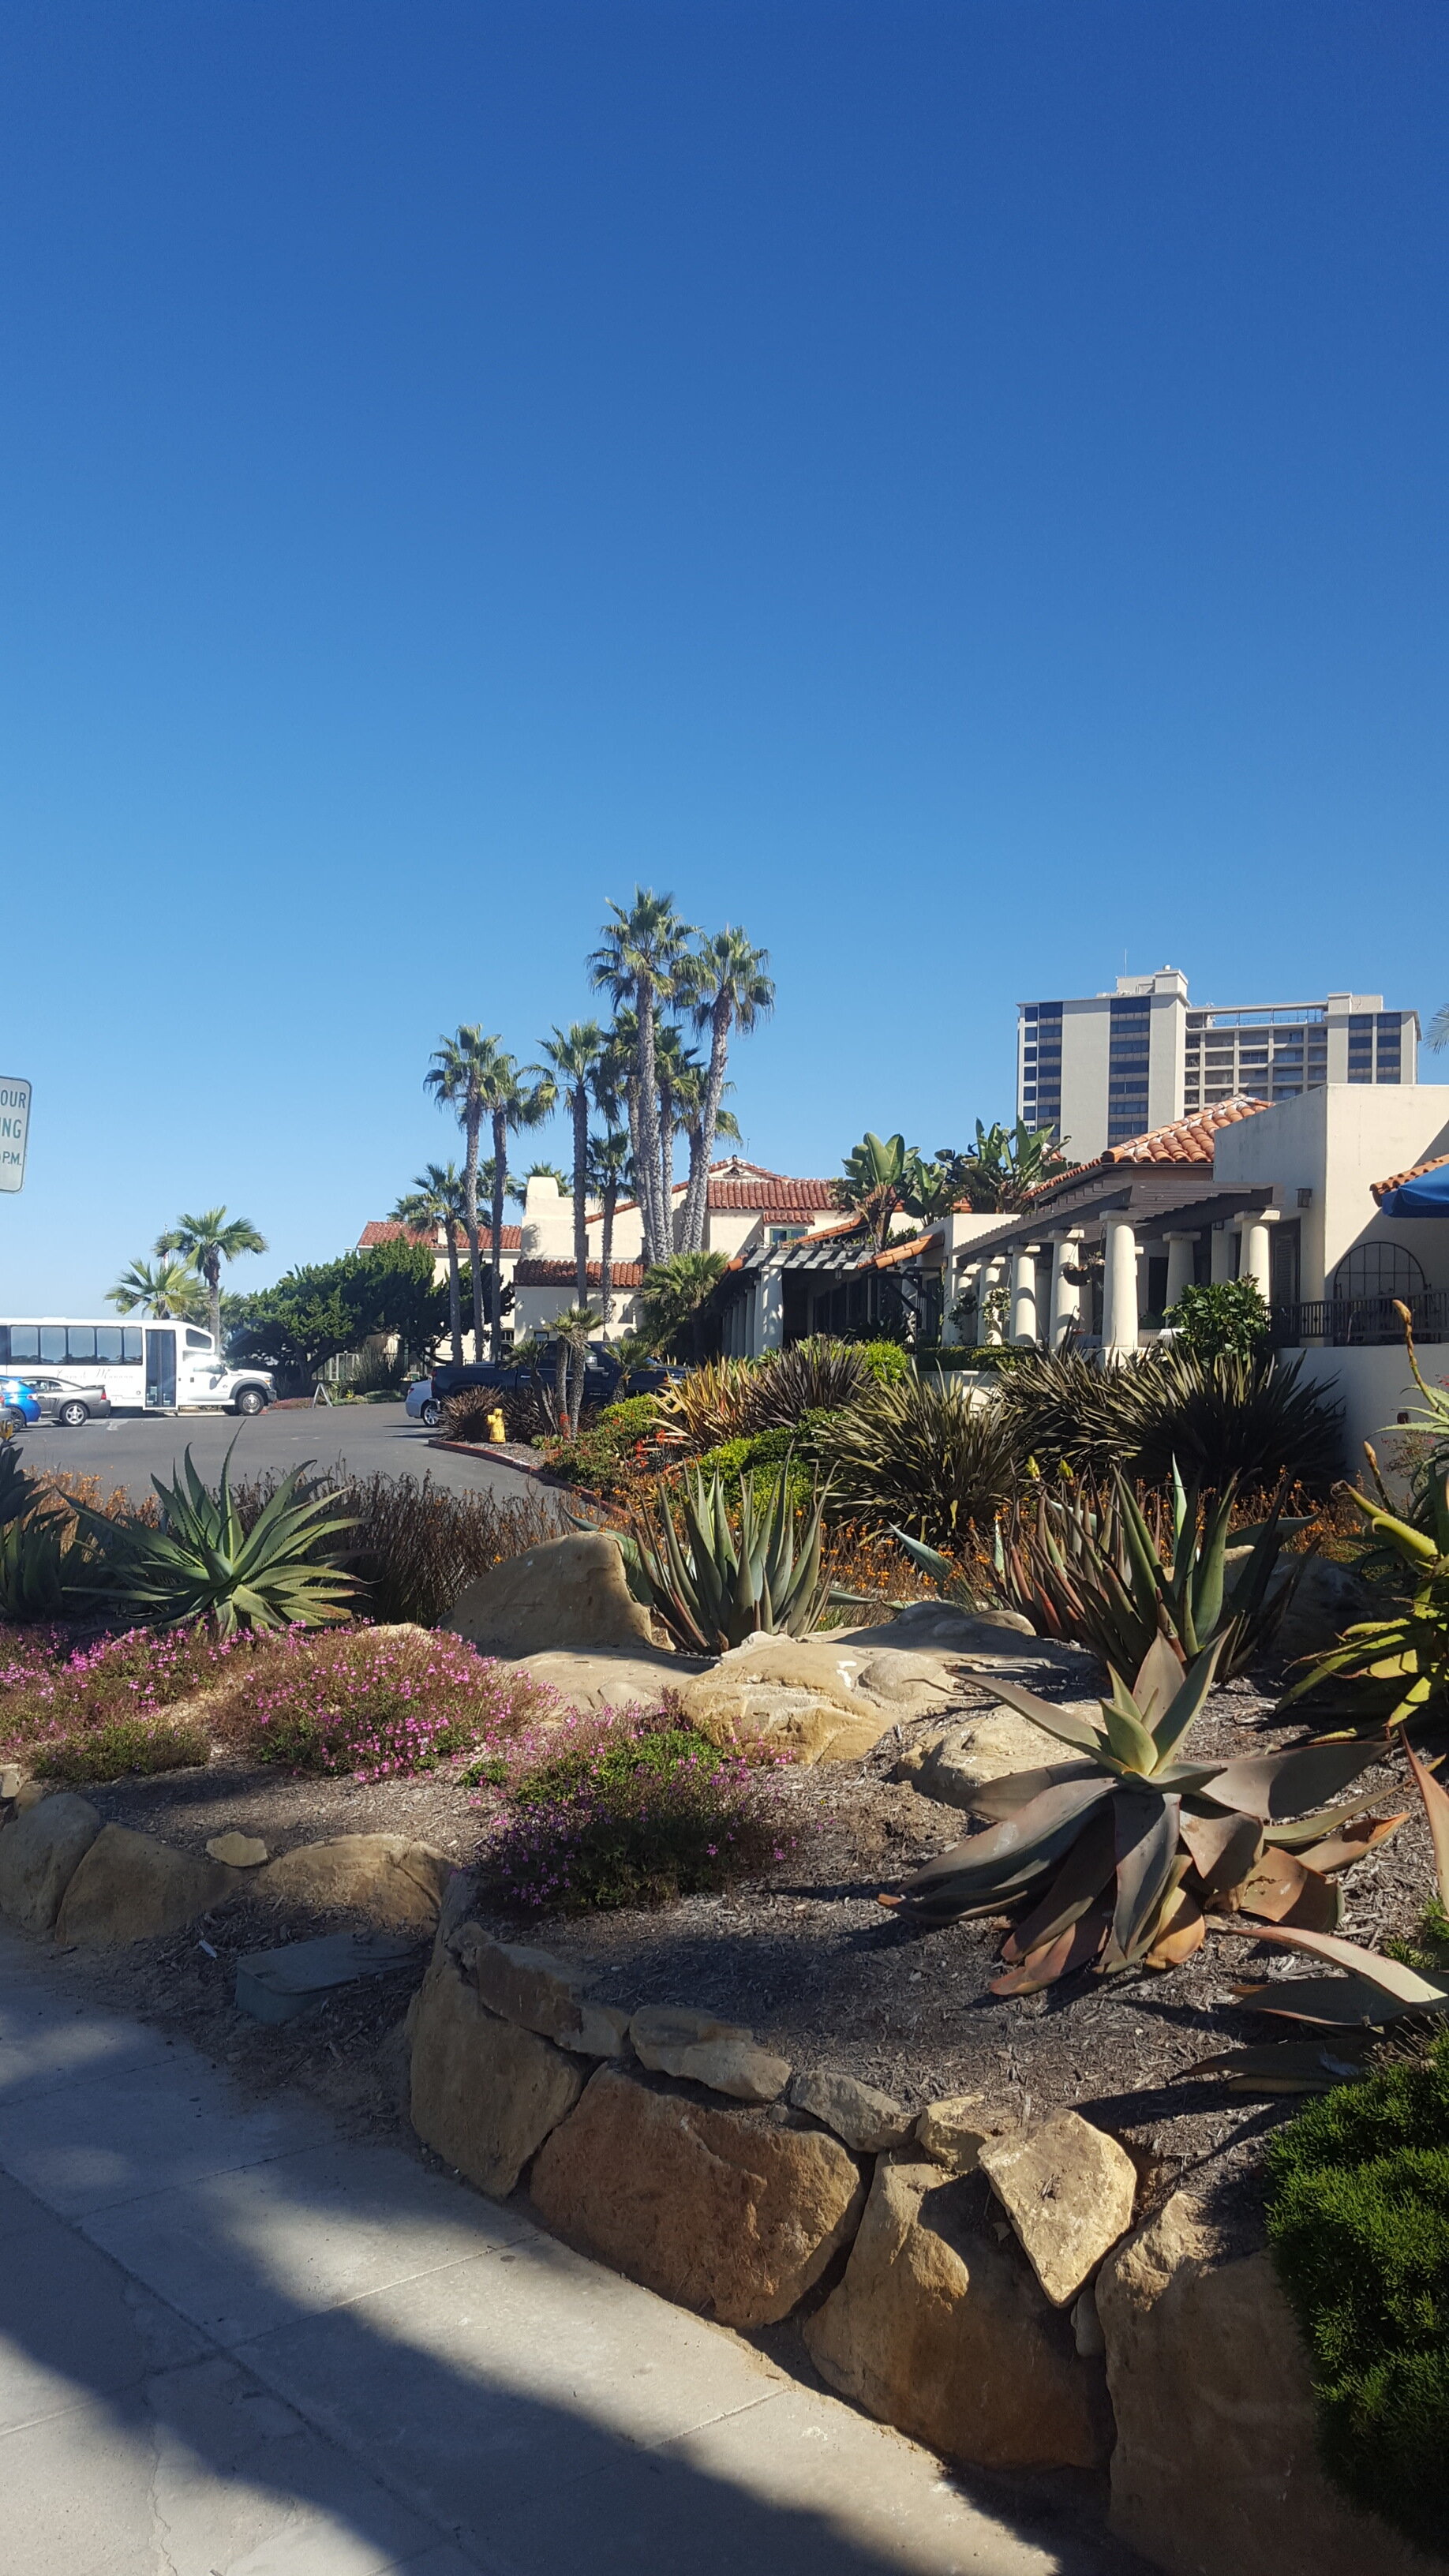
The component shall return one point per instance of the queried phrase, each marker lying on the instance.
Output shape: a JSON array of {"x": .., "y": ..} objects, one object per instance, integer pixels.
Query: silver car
[
  {"x": 70, "y": 1406},
  {"x": 422, "y": 1405}
]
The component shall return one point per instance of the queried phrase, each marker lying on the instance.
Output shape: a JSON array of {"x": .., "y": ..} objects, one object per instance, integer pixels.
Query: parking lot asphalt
[{"x": 130, "y": 1449}]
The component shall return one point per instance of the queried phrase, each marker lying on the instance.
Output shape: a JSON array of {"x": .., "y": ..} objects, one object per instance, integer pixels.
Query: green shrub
[
  {"x": 1358, "y": 2218},
  {"x": 624, "y": 1808},
  {"x": 765, "y": 1458},
  {"x": 887, "y": 1362},
  {"x": 1227, "y": 1315},
  {"x": 123, "y": 1747},
  {"x": 634, "y": 1417}
]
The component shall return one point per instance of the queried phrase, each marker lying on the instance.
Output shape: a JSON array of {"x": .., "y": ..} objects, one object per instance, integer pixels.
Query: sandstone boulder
[
  {"x": 388, "y": 1877},
  {"x": 619, "y": 1677},
  {"x": 569, "y": 1592},
  {"x": 729, "y": 2212},
  {"x": 1068, "y": 2190},
  {"x": 953, "y": 2132},
  {"x": 482, "y": 2093},
  {"x": 1216, "y": 2469},
  {"x": 801, "y": 1725},
  {"x": 701, "y": 2051},
  {"x": 1327, "y": 1598},
  {"x": 944, "y": 2334},
  {"x": 538, "y": 1992},
  {"x": 867, "y": 2121},
  {"x": 237, "y": 1851},
  {"x": 40, "y": 1852},
  {"x": 954, "y": 1765},
  {"x": 129, "y": 1887}
]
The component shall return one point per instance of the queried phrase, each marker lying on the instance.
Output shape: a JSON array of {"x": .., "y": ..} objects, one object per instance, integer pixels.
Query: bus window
[
  {"x": 109, "y": 1343},
  {"x": 24, "y": 1342},
  {"x": 197, "y": 1341},
  {"x": 80, "y": 1342},
  {"x": 133, "y": 1341},
  {"x": 52, "y": 1342}
]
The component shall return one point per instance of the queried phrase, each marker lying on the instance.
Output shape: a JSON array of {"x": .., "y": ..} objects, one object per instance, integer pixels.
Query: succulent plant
[
  {"x": 1118, "y": 1852},
  {"x": 713, "y": 1585},
  {"x": 1398, "y": 1668},
  {"x": 1093, "y": 1570},
  {"x": 203, "y": 1563}
]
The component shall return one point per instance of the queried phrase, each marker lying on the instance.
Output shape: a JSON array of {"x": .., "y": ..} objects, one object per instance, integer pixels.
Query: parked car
[
  {"x": 70, "y": 1405},
  {"x": 422, "y": 1405},
  {"x": 19, "y": 1404},
  {"x": 602, "y": 1374}
]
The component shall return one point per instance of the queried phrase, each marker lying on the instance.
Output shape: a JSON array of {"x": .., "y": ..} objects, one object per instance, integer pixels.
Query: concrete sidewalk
[{"x": 233, "y": 2343}]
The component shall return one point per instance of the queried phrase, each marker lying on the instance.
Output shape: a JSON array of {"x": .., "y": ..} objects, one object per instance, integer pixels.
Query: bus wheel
[{"x": 250, "y": 1400}]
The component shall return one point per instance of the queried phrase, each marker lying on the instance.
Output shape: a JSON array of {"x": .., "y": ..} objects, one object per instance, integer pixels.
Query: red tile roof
[
  {"x": 772, "y": 1194},
  {"x": 1380, "y": 1189},
  {"x": 910, "y": 1250},
  {"x": 560, "y": 1274},
  {"x": 1187, "y": 1140},
  {"x": 386, "y": 1229}
]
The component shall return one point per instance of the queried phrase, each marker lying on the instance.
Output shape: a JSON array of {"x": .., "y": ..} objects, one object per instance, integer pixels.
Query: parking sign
[{"x": 14, "y": 1128}]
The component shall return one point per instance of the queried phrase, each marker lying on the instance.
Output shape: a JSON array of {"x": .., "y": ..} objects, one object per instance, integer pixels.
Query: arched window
[{"x": 1378, "y": 1270}]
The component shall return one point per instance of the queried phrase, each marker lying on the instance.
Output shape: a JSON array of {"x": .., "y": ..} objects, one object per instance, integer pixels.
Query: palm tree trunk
[
  {"x": 560, "y": 1387},
  {"x": 500, "y": 1175},
  {"x": 696, "y": 1193},
  {"x": 212, "y": 1267},
  {"x": 606, "y": 1253},
  {"x": 455, "y": 1295},
  {"x": 581, "y": 1166},
  {"x": 655, "y": 1246},
  {"x": 578, "y": 1361},
  {"x": 719, "y": 1049},
  {"x": 472, "y": 1124},
  {"x": 666, "y": 1163}
]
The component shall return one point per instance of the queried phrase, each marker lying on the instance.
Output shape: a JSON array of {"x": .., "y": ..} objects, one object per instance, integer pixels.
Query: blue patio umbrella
[{"x": 1428, "y": 1195}]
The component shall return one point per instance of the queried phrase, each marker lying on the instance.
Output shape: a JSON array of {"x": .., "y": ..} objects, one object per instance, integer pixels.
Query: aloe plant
[
  {"x": 1375, "y": 1990},
  {"x": 713, "y": 1586},
  {"x": 1094, "y": 1571},
  {"x": 202, "y": 1563},
  {"x": 1398, "y": 1668},
  {"x": 1118, "y": 1852}
]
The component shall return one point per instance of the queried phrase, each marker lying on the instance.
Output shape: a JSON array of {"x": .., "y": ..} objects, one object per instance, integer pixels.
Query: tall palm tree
[
  {"x": 679, "y": 1076},
  {"x": 436, "y": 1199},
  {"x": 517, "y": 1096},
  {"x": 204, "y": 1243},
  {"x": 1439, "y": 1028},
  {"x": 610, "y": 1166},
  {"x": 455, "y": 1079},
  {"x": 636, "y": 962},
  {"x": 732, "y": 990},
  {"x": 170, "y": 1288},
  {"x": 574, "y": 1055}
]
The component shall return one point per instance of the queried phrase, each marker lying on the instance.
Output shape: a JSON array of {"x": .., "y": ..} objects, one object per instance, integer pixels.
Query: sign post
[{"x": 14, "y": 1128}]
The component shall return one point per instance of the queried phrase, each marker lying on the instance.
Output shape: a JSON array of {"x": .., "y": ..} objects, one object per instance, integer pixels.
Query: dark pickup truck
[{"x": 602, "y": 1374}]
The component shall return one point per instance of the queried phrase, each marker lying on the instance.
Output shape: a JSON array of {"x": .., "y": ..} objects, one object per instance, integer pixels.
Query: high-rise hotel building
[{"x": 1113, "y": 1065}]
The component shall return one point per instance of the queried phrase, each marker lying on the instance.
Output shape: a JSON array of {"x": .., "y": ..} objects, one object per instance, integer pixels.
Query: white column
[
  {"x": 1023, "y": 1292},
  {"x": 1223, "y": 1253},
  {"x": 990, "y": 1278},
  {"x": 1180, "y": 1248},
  {"x": 769, "y": 1312},
  {"x": 1066, "y": 1293},
  {"x": 1119, "y": 1302},
  {"x": 1258, "y": 1250}
]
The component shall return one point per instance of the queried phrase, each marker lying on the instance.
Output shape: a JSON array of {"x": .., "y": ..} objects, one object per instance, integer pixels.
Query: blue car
[{"x": 19, "y": 1404}]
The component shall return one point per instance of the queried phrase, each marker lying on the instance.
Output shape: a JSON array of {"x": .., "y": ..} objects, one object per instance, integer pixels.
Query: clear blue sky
[{"x": 957, "y": 488}]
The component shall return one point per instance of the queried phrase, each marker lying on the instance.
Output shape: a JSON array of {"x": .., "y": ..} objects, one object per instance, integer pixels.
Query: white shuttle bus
[{"x": 143, "y": 1368}]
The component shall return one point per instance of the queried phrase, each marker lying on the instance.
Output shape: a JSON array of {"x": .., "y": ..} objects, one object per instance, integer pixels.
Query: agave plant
[
  {"x": 1399, "y": 1667},
  {"x": 34, "y": 1542},
  {"x": 1094, "y": 1571},
  {"x": 1118, "y": 1852},
  {"x": 203, "y": 1563},
  {"x": 1375, "y": 1992},
  {"x": 713, "y": 1586},
  {"x": 1248, "y": 1415},
  {"x": 708, "y": 1405},
  {"x": 818, "y": 1376}
]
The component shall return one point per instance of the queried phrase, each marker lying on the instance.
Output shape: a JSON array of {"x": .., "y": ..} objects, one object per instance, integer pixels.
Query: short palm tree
[
  {"x": 161, "y": 1289},
  {"x": 204, "y": 1243},
  {"x": 573, "y": 1330},
  {"x": 574, "y": 1055},
  {"x": 731, "y": 989},
  {"x": 436, "y": 1199},
  {"x": 674, "y": 1291},
  {"x": 610, "y": 1165}
]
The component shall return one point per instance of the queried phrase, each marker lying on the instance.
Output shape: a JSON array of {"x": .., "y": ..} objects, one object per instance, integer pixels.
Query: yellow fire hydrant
[{"x": 497, "y": 1429}]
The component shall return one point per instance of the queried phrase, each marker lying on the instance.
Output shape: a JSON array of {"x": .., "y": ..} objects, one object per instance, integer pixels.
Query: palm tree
[
  {"x": 690, "y": 1088},
  {"x": 638, "y": 959},
  {"x": 436, "y": 1199},
  {"x": 575, "y": 1329},
  {"x": 1439, "y": 1028},
  {"x": 733, "y": 989},
  {"x": 574, "y": 1055},
  {"x": 472, "y": 1074},
  {"x": 680, "y": 1079},
  {"x": 674, "y": 1291},
  {"x": 170, "y": 1288},
  {"x": 204, "y": 1243},
  {"x": 610, "y": 1165}
]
